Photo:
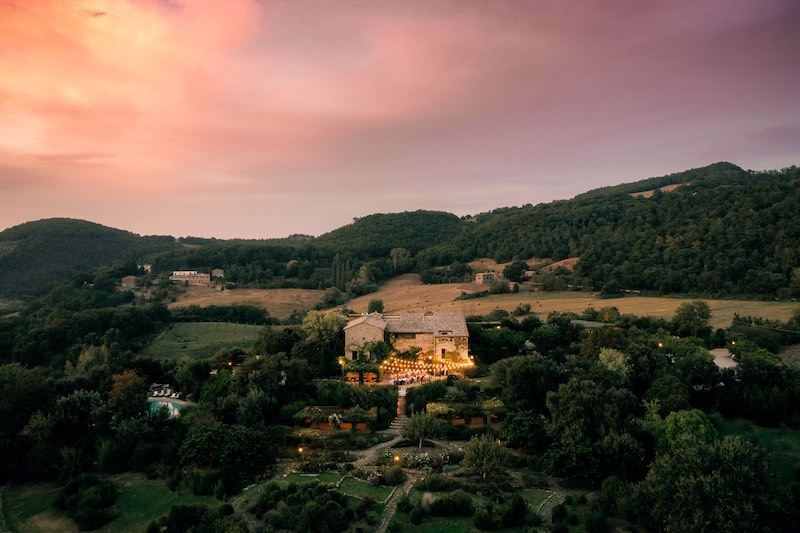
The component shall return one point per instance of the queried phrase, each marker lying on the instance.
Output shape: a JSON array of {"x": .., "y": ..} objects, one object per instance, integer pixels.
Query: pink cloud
[{"x": 249, "y": 106}]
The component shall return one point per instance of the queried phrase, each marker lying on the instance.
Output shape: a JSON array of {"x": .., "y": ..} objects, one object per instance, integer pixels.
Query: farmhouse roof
[
  {"x": 373, "y": 319},
  {"x": 437, "y": 323}
]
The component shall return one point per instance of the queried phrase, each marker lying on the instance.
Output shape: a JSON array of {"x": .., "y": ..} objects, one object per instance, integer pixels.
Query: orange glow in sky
[{"x": 249, "y": 118}]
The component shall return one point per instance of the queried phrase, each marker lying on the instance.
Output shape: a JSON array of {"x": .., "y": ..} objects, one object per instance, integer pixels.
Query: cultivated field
[
  {"x": 666, "y": 188},
  {"x": 200, "y": 340},
  {"x": 407, "y": 293},
  {"x": 278, "y": 302}
]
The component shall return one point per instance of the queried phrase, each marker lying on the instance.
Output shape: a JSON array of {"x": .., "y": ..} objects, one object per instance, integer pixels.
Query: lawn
[
  {"x": 535, "y": 497},
  {"x": 324, "y": 477},
  {"x": 23, "y": 503},
  {"x": 782, "y": 445},
  {"x": 200, "y": 340},
  {"x": 354, "y": 487},
  {"x": 140, "y": 501}
]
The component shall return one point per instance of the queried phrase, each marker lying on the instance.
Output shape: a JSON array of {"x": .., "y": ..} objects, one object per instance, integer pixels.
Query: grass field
[
  {"x": 407, "y": 294},
  {"x": 354, "y": 487},
  {"x": 782, "y": 445},
  {"x": 200, "y": 340},
  {"x": 791, "y": 354},
  {"x": 140, "y": 501},
  {"x": 278, "y": 302}
]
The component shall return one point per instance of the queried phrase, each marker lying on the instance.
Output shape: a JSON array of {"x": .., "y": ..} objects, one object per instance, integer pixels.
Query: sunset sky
[{"x": 256, "y": 119}]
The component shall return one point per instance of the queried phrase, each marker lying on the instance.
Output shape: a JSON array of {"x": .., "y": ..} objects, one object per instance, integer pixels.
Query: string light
[{"x": 394, "y": 364}]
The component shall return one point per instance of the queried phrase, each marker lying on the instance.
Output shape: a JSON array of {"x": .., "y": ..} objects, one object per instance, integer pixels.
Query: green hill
[
  {"x": 376, "y": 235},
  {"x": 37, "y": 254},
  {"x": 725, "y": 231}
]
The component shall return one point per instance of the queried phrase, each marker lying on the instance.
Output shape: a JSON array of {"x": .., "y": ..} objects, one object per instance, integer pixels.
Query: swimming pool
[{"x": 174, "y": 409}]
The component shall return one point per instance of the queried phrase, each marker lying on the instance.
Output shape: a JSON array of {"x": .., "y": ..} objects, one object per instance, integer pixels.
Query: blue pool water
[{"x": 174, "y": 409}]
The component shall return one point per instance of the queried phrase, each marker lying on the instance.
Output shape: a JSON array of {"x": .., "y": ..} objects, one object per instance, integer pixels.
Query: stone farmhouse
[
  {"x": 192, "y": 277},
  {"x": 439, "y": 336},
  {"x": 484, "y": 278}
]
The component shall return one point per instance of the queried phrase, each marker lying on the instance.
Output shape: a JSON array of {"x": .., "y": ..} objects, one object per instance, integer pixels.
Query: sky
[{"x": 259, "y": 119}]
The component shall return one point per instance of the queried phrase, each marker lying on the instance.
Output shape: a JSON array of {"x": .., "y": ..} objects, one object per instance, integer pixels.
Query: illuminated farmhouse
[{"x": 438, "y": 337}]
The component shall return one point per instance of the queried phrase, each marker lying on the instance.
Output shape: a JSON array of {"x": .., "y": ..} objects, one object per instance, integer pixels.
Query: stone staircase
[{"x": 398, "y": 423}]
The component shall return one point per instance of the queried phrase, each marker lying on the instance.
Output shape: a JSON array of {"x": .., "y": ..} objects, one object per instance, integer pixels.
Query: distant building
[
  {"x": 438, "y": 336},
  {"x": 192, "y": 277},
  {"x": 485, "y": 278},
  {"x": 128, "y": 282},
  {"x": 217, "y": 273}
]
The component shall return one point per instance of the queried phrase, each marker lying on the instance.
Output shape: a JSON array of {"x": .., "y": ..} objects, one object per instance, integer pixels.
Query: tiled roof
[
  {"x": 438, "y": 323},
  {"x": 373, "y": 319}
]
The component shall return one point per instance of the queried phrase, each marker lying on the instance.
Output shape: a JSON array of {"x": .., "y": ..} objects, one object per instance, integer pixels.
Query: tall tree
[
  {"x": 718, "y": 486},
  {"x": 128, "y": 395},
  {"x": 421, "y": 426},
  {"x": 486, "y": 455},
  {"x": 692, "y": 319}
]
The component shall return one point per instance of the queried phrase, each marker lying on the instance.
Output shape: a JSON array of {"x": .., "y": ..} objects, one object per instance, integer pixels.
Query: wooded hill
[
  {"x": 723, "y": 231},
  {"x": 37, "y": 254}
]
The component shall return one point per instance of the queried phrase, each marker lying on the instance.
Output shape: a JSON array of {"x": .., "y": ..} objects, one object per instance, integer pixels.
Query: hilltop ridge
[{"x": 724, "y": 231}]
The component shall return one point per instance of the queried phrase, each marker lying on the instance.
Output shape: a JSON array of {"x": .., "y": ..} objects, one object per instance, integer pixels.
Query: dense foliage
[
  {"x": 724, "y": 231},
  {"x": 376, "y": 235},
  {"x": 630, "y": 407},
  {"x": 34, "y": 255}
]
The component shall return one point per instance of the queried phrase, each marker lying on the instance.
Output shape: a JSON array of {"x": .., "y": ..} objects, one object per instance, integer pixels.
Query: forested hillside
[
  {"x": 725, "y": 231},
  {"x": 349, "y": 258},
  {"x": 376, "y": 235},
  {"x": 35, "y": 255}
]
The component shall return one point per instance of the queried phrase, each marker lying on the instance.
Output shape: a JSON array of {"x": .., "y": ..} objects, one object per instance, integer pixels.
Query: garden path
[
  {"x": 391, "y": 504},
  {"x": 369, "y": 455}
]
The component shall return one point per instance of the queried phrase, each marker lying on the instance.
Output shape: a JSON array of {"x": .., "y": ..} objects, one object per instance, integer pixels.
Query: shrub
[
  {"x": 225, "y": 509},
  {"x": 596, "y": 522},
  {"x": 417, "y": 515},
  {"x": 405, "y": 505},
  {"x": 559, "y": 513},
  {"x": 87, "y": 500},
  {"x": 202, "y": 483},
  {"x": 424, "y": 394},
  {"x": 364, "y": 506},
  {"x": 458, "y": 503},
  {"x": 513, "y": 514},
  {"x": 394, "y": 475},
  {"x": 219, "y": 490},
  {"x": 485, "y": 519},
  {"x": 437, "y": 483}
]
